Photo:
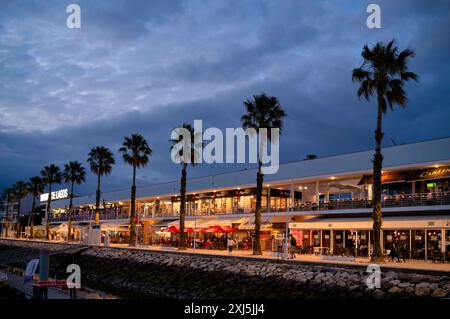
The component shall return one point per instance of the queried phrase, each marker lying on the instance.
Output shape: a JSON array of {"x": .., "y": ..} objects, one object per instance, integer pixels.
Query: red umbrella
[
  {"x": 227, "y": 229},
  {"x": 219, "y": 229},
  {"x": 171, "y": 229},
  {"x": 197, "y": 230},
  {"x": 212, "y": 229}
]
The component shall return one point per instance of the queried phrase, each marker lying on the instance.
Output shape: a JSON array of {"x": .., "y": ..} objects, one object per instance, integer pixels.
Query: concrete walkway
[
  {"x": 411, "y": 265},
  {"x": 314, "y": 259}
]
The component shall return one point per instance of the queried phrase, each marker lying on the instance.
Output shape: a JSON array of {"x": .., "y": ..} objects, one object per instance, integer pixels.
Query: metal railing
[{"x": 400, "y": 200}]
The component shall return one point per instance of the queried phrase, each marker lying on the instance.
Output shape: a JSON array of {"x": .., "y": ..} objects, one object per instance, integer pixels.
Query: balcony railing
[{"x": 401, "y": 200}]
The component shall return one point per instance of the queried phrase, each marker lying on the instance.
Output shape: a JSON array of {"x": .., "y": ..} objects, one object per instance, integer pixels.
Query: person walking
[
  {"x": 230, "y": 244},
  {"x": 394, "y": 253},
  {"x": 293, "y": 246}
]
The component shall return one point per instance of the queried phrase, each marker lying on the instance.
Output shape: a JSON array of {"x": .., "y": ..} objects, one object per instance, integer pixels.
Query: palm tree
[
  {"x": 20, "y": 191},
  {"x": 383, "y": 73},
  {"x": 263, "y": 112},
  {"x": 50, "y": 175},
  {"x": 135, "y": 152},
  {"x": 35, "y": 186},
  {"x": 185, "y": 159},
  {"x": 100, "y": 160},
  {"x": 7, "y": 195},
  {"x": 2, "y": 220},
  {"x": 74, "y": 173}
]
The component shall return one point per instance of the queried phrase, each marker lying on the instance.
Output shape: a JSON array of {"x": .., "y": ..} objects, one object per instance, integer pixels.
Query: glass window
[{"x": 418, "y": 244}]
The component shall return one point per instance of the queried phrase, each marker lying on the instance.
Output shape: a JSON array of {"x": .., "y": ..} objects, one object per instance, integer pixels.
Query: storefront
[
  {"x": 118, "y": 233},
  {"x": 419, "y": 237}
]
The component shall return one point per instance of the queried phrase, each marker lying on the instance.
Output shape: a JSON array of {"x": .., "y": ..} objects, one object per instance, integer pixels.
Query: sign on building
[{"x": 59, "y": 194}]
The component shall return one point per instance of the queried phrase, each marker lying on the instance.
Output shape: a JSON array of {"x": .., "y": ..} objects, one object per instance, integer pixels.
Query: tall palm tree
[
  {"x": 7, "y": 195},
  {"x": 135, "y": 152},
  {"x": 263, "y": 112},
  {"x": 74, "y": 173},
  {"x": 383, "y": 73},
  {"x": 100, "y": 160},
  {"x": 35, "y": 186},
  {"x": 2, "y": 220},
  {"x": 50, "y": 175},
  {"x": 185, "y": 160},
  {"x": 20, "y": 191}
]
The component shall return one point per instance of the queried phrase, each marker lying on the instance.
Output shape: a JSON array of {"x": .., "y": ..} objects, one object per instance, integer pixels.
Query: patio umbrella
[
  {"x": 171, "y": 229},
  {"x": 219, "y": 229},
  {"x": 212, "y": 229},
  {"x": 227, "y": 229}
]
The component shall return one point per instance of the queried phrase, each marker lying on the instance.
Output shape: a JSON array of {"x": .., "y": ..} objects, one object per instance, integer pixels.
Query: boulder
[
  {"x": 439, "y": 293},
  {"x": 404, "y": 285},
  {"x": 395, "y": 290},
  {"x": 422, "y": 291}
]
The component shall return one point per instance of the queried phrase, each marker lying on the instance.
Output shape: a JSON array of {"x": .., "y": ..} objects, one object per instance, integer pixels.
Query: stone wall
[{"x": 149, "y": 274}]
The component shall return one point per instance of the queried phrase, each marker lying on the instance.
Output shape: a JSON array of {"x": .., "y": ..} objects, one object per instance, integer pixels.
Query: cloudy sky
[{"x": 147, "y": 66}]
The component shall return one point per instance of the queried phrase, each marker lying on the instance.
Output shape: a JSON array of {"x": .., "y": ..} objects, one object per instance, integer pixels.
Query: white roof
[{"x": 395, "y": 157}]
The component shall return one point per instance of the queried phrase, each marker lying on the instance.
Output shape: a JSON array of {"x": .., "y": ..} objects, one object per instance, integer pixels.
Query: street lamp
[
  {"x": 291, "y": 206},
  {"x": 195, "y": 234}
]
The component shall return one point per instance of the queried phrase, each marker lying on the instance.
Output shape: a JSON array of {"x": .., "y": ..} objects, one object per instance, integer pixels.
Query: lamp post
[
  {"x": 291, "y": 206},
  {"x": 195, "y": 234}
]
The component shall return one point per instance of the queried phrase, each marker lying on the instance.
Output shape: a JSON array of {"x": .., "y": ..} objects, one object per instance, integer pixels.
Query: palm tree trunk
[
  {"x": 182, "y": 245},
  {"x": 97, "y": 201},
  {"x": 259, "y": 185},
  {"x": 133, "y": 210},
  {"x": 33, "y": 208},
  {"x": 377, "y": 254},
  {"x": 47, "y": 222},
  {"x": 69, "y": 229}
]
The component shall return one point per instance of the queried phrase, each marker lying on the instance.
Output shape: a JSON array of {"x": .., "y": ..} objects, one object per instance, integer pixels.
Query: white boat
[{"x": 3, "y": 277}]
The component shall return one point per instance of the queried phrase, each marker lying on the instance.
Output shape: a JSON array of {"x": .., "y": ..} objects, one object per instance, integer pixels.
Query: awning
[
  {"x": 161, "y": 223},
  {"x": 116, "y": 227},
  {"x": 187, "y": 223},
  {"x": 366, "y": 223},
  {"x": 220, "y": 222},
  {"x": 207, "y": 222},
  {"x": 249, "y": 223}
]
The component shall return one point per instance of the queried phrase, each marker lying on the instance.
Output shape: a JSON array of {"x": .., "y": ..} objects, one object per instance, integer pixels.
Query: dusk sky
[{"x": 148, "y": 66}]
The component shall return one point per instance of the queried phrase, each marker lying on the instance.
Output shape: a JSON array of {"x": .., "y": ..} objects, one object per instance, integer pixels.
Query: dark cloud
[{"x": 147, "y": 66}]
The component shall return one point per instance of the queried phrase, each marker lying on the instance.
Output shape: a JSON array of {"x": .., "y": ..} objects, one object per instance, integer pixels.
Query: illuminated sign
[
  {"x": 438, "y": 172},
  {"x": 60, "y": 194},
  {"x": 415, "y": 175}
]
